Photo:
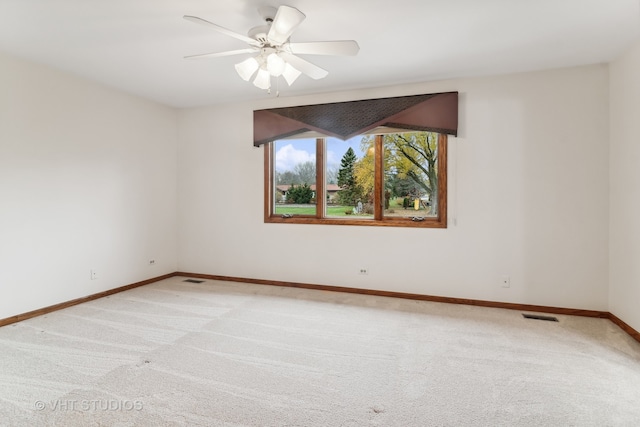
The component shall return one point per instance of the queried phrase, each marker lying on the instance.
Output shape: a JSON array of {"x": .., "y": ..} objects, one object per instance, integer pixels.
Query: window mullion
[
  {"x": 320, "y": 177},
  {"x": 269, "y": 181},
  {"x": 442, "y": 177},
  {"x": 378, "y": 192}
]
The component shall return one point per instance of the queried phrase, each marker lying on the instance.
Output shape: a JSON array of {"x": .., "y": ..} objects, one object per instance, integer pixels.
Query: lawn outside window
[{"x": 386, "y": 177}]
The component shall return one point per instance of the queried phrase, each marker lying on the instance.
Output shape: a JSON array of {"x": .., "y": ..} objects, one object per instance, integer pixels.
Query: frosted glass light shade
[
  {"x": 263, "y": 79},
  {"x": 275, "y": 64},
  {"x": 290, "y": 74},
  {"x": 246, "y": 68},
  {"x": 267, "y": 65}
]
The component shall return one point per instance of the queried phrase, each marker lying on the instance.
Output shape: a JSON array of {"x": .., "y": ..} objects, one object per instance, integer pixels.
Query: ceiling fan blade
[
  {"x": 306, "y": 67},
  {"x": 284, "y": 24},
  {"x": 222, "y": 29},
  {"x": 220, "y": 54},
  {"x": 341, "y": 47}
]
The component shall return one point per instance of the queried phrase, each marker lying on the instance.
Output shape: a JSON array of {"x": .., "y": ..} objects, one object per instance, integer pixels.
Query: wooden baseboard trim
[
  {"x": 55, "y": 307},
  {"x": 419, "y": 297},
  {"x": 625, "y": 327}
]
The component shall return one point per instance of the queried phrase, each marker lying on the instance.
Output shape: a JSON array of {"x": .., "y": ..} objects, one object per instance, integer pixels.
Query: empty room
[{"x": 363, "y": 213}]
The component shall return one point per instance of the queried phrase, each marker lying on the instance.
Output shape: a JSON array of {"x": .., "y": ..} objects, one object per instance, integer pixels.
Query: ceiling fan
[{"x": 276, "y": 55}]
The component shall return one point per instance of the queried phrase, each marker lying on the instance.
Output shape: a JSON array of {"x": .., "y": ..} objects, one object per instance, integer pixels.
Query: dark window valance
[{"x": 436, "y": 112}]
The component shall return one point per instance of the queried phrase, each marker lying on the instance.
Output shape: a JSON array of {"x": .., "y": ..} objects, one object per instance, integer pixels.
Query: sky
[{"x": 293, "y": 151}]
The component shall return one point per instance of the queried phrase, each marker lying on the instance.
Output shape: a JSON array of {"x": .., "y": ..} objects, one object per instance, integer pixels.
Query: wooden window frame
[{"x": 378, "y": 220}]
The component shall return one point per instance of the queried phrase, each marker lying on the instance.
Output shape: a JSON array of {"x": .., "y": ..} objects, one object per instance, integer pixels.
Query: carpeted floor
[{"x": 230, "y": 354}]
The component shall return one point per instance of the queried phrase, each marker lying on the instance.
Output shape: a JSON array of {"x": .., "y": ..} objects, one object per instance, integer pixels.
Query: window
[
  {"x": 386, "y": 177},
  {"x": 294, "y": 177},
  {"x": 380, "y": 162}
]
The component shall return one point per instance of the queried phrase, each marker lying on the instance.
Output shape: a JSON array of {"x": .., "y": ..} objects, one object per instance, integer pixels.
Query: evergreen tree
[
  {"x": 301, "y": 194},
  {"x": 349, "y": 193}
]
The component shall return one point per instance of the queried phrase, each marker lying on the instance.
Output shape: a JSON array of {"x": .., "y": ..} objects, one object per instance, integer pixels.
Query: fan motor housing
[{"x": 259, "y": 33}]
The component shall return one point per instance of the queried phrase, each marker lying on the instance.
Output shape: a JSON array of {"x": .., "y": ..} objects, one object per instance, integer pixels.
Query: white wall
[
  {"x": 528, "y": 198},
  {"x": 87, "y": 181},
  {"x": 625, "y": 188}
]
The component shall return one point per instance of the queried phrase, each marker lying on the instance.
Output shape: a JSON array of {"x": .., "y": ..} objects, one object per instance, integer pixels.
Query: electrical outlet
[
  {"x": 505, "y": 281},
  {"x": 94, "y": 275},
  {"x": 364, "y": 271},
  {"x": 152, "y": 262}
]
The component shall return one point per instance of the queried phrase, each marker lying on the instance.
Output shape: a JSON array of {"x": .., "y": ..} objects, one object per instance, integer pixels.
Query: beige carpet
[{"x": 229, "y": 354}]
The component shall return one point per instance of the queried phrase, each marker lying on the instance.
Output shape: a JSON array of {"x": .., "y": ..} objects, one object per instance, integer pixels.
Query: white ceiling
[{"x": 138, "y": 45}]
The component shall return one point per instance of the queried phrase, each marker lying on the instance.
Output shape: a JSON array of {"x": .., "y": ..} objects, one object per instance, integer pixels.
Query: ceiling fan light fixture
[
  {"x": 290, "y": 74},
  {"x": 274, "y": 54},
  {"x": 247, "y": 68},
  {"x": 275, "y": 64},
  {"x": 263, "y": 79}
]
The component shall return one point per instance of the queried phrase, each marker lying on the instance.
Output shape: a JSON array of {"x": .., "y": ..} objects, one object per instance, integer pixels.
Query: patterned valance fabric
[{"x": 436, "y": 112}]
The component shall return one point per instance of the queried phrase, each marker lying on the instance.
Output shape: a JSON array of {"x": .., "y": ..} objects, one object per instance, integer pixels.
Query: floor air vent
[
  {"x": 539, "y": 317},
  {"x": 193, "y": 281}
]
